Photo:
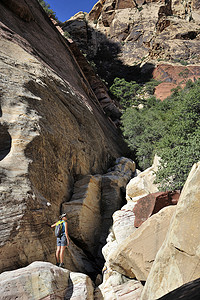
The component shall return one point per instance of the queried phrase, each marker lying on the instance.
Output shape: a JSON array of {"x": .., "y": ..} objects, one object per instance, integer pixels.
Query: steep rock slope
[
  {"x": 129, "y": 38},
  {"x": 52, "y": 130}
]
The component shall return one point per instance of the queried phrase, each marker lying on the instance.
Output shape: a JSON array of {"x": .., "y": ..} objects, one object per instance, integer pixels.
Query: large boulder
[
  {"x": 153, "y": 203},
  {"x": 143, "y": 184},
  {"x": 135, "y": 255},
  {"x": 52, "y": 130},
  {"x": 118, "y": 287},
  {"x": 178, "y": 260},
  {"x": 80, "y": 286},
  {"x": 39, "y": 280},
  {"x": 83, "y": 212},
  {"x": 42, "y": 280}
]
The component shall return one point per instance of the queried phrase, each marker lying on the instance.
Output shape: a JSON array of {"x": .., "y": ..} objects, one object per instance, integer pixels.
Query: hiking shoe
[
  {"x": 61, "y": 265},
  {"x": 57, "y": 264}
]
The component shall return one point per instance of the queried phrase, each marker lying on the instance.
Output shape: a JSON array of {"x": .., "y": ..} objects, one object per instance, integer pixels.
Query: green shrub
[
  {"x": 125, "y": 91},
  {"x": 171, "y": 129},
  {"x": 47, "y": 9}
]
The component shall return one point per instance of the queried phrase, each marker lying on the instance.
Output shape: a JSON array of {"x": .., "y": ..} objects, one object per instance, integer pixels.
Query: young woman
[{"x": 62, "y": 241}]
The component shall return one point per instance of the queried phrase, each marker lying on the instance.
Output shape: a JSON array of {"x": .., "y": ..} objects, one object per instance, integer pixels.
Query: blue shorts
[{"x": 62, "y": 241}]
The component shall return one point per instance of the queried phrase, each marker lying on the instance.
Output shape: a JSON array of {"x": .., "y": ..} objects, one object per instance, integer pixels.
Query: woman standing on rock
[{"x": 62, "y": 239}]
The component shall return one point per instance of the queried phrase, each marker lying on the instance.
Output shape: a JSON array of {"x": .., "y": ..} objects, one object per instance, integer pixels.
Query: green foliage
[
  {"x": 47, "y": 9},
  {"x": 67, "y": 34},
  {"x": 171, "y": 129},
  {"x": 124, "y": 91},
  {"x": 132, "y": 93}
]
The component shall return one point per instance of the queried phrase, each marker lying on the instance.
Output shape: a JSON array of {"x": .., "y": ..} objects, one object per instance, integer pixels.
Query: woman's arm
[
  {"x": 53, "y": 225},
  {"x": 66, "y": 233}
]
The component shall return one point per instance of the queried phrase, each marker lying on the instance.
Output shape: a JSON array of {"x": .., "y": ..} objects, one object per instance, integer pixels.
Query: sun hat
[{"x": 63, "y": 215}]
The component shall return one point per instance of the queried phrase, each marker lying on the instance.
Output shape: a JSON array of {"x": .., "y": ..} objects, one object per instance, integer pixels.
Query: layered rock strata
[
  {"x": 53, "y": 129},
  {"x": 94, "y": 200}
]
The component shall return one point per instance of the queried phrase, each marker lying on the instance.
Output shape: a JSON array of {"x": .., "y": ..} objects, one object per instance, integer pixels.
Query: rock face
[
  {"x": 172, "y": 76},
  {"x": 52, "y": 127},
  {"x": 42, "y": 280},
  {"x": 134, "y": 257},
  {"x": 129, "y": 39},
  {"x": 153, "y": 203},
  {"x": 143, "y": 184},
  {"x": 94, "y": 200},
  {"x": 177, "y": 261},
  {"x": 118, "y": 286}
]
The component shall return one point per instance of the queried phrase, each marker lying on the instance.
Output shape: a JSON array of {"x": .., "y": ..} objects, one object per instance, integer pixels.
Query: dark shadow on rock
[
  {"x": 70, "y": 289},
  {"x": 105, "y": 57},
  {"x": 0, "y": 108},
  {"x": 188, "y": 291},
  {"x": 5, "y": 142}
]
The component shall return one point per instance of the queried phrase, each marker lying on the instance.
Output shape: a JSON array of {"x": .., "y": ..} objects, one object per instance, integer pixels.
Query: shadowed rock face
[
  {"x": 52, "y": 130},
  {"x": 130, "y": 39},
  {"x": 190, "y": 290}
]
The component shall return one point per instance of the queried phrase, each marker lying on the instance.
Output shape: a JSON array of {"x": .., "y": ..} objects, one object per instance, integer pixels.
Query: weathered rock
[
  {"x": 123, "y": 226},
  {"x": 84, "y": 212},
  {"x": 42, "y": 280},
  {"x": 99, "y": 89},
  {"x": 113, "y": 194},
  {"x": 119, "y": 287},
  {"x": 39, "y": 280},
  {"x": 152, "y": 203},
  {"x": 178, "y": 260},
  {"x": 52, "y": 130},
  {"x": 172, "y": 76},
  {"x": 19, "y": 8},
  {"x": 143, "y": 184},
  {"x": 129, "y": 38},
  {"x": 134, "y": 256},
  {"x": 94, "y": 200},
  {"x": 80, "y": 286},
  {"x": 123, "y": 222}
]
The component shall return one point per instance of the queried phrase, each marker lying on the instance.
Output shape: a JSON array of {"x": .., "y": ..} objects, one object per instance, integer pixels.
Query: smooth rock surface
[
  {"x": 135, "y": 255},
  {"x": 178, "y": 260},
  {"x": 143, "y": 184}
]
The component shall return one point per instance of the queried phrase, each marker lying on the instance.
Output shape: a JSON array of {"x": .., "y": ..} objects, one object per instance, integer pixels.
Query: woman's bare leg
[
  {"x": 62, "y": 251},
  {"x": 58, "y": 254}
]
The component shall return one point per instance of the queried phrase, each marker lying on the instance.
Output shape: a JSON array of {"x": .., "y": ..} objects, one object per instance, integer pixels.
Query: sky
[{"x": 65, "y": 9}]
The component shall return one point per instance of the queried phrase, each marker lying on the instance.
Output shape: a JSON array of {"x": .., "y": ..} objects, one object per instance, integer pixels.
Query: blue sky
[{"x": 65, "y": 9}]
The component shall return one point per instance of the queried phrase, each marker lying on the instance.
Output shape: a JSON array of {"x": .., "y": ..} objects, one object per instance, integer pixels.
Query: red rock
[
  {"x": 172, "y": 76},
  {"x": 153, "y": 203},
  {"x": 164, "y": 90}
]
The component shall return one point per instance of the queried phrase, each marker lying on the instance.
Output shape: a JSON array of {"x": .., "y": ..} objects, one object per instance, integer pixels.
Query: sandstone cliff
[
  {"x": 130, "y": 38},
  {"x": 52, "y": 129}
]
